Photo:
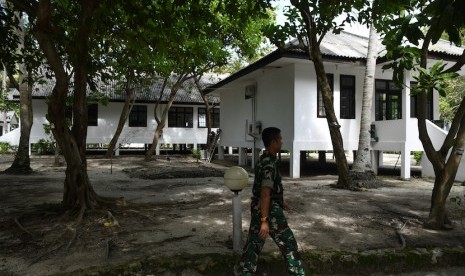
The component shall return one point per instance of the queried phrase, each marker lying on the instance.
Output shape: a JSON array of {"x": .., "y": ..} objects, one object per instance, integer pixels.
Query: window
[
  {"x": 347, "y": 97},
  {"x": 215, "y": 113},
  {"x": 388, "y": 100},
  {"x": 92, "y": 114},
  {"x": 321, "y": 107},
  {"x": 414, "y": 104},
  {"x": 181, "y": 117},
  {"x": 138, "y": 116}
]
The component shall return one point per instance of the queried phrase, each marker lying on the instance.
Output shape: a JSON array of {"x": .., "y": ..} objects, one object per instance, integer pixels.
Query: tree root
[
  {"x": 78, "y": 222},
  {"x": 22, "y": 227},
  {"x": 46, "y": 253},
  {"x": 400, "y": 236}
]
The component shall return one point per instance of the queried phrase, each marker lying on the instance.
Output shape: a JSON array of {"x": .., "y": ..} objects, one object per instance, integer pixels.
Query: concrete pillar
[
  {"x": 230, "y": 150},
  {"x": 117, "y": 149},
  {"x": 242, "y": 156},
  {"x": 195, "y": 146},
  {"x": 255, "y": 157},
  {"x": 220, "y": 153},
  {"x": 157, "y": 149},
  {"x": 322, "y": 157},
  {"x": 294, "y": 163},
  {"x": 374, "y": 160},
  {"x": 380, "y": 158},
  {"x": 405, "y": 163}
]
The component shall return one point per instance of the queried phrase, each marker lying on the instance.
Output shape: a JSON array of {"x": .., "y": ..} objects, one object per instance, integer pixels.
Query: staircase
[{"x": 213, "y": 144}]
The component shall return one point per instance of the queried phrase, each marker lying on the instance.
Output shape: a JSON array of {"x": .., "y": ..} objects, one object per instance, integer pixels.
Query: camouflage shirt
[{"x": 267, "y": 175}]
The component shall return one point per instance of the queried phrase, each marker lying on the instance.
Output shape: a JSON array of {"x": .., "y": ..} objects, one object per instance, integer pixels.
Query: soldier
[{"x": 267, "y": 212}]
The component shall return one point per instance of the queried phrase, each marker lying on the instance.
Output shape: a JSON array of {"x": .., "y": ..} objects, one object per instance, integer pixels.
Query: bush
[
  {"x": 5, "y": 147},
  {"x": 417, "y": 156},
  {"x": 43, "y": 147},
  {"x": 196, "y": 154}
]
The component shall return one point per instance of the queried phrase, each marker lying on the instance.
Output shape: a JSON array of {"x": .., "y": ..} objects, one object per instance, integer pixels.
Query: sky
[{"x": 281, "y": 18}]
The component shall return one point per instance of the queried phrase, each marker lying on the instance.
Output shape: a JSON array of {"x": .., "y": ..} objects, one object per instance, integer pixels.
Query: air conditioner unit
[{"x": 250, "y": 91}]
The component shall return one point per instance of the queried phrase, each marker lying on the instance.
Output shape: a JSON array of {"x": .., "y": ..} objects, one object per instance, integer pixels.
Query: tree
[
  {"x": 362, "y": 162},
  {"x": 200, "y": 46},
  {"x": 22, "y": 163},
  {"x": 72, "y": 35},
  {"x": 24, "y": 64},
  {"x": 63, "y": 32},
  {"x": 309, "y": 21},
  {"x": 435, "y": 17}
]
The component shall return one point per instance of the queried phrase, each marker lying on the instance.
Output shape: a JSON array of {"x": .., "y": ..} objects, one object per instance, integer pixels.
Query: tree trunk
[
  {"x": 22, "y": 163},
  {"x": 161, "y": 121},
  {"x": 447, "y": 159},
  {"x": 362, "y": 162},
  {"x": 445, "y": 177},
  {"x": 78, "y": 192},
  {"x": 208, "y": 114},
  {"x": 128, "y": 104},
  {"x": 333, "y": 125}
]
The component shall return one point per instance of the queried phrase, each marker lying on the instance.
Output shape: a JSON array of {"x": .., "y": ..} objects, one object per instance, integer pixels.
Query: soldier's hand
[{"x": 264, "y": 230}]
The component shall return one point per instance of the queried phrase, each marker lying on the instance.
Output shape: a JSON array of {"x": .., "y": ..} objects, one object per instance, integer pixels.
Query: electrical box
[{"x": 250, "y": 91}]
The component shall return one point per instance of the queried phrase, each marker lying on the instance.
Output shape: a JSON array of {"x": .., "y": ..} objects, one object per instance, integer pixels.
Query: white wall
[
  {"x": 311, "y": 132},
  {"x": 108, "y": 117},
  {"x": 275, "y": 102}
]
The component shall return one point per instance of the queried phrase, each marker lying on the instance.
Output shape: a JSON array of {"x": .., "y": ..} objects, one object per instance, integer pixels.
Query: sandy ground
[{"x": 180, "y": 206}]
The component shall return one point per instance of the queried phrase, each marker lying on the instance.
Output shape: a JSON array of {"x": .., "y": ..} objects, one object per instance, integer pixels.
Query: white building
[
  {"x": 185, "y": 124},
  {"x": 9, "y": 121},
  {"x": 281, "y": 90}
]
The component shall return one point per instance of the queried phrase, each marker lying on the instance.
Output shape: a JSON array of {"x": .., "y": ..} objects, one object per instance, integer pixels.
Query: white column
[
  {"x": 237, "y": 222},
  {"x": 255, "y": 157},
  {"x": 220, "y": 153},
  {"x": 117, "y": 150},
  {"x": 405, "y": 162},
  {"x": 157, "y": 149},
  {"x": 30, "y": 150},
  {"x": 230, "y": 150},
  {"x": 195, "y": 146},
  {"x": 374, "y": 161},
  {"x": 295, "y": 163},
  {"x": 405, "y": 150},
  {"x": 380, "y": 158}
]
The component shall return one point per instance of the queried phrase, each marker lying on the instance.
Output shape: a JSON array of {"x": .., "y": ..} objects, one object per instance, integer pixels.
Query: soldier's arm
[{"x": 265, "y": 198}]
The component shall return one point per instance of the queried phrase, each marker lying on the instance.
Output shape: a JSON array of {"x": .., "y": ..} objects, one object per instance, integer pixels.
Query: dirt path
[{"x": 192, "y": 215}]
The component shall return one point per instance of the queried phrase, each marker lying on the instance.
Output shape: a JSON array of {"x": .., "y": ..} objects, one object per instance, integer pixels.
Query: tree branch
[
  {"x": 458, "y": 65},
  {"x": 456, "y": 123}
]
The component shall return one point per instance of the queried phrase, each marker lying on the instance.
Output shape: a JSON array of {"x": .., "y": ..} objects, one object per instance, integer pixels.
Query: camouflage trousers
[{"x": 279, "y": 232}]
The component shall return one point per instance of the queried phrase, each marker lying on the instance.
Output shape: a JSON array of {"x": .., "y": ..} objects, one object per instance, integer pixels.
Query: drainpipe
[
  {"x": 254, "y": 157},
  {"x": 4, "y": 97}
]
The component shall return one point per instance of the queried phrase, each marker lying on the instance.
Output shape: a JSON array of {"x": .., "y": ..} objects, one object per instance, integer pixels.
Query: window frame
[
  {"x": 390, "y": 92},
  {"x": 92, "y": 114},
  {"x": 215, "y": 114},
  {"x": 429, "y": 109},
  {"x": 349, "y": 92},
  {"x": 138, "y": 116},
  {"x": 178, "y": 112}
]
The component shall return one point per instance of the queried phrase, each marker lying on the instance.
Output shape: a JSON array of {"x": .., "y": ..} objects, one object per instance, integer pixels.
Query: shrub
[
  {"x": 5, "y": 147},
  {"x": 196, "y": 154},
  {"x": 417, "y": 156},
  {"x": 43, "y": 147}
]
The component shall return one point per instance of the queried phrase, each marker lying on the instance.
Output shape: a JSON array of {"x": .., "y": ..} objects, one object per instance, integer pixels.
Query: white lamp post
[{"x": 236, "y": 179}]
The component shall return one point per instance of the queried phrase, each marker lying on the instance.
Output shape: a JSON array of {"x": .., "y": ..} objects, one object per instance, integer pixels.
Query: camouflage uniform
[{"x": 267, "y": 174}]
